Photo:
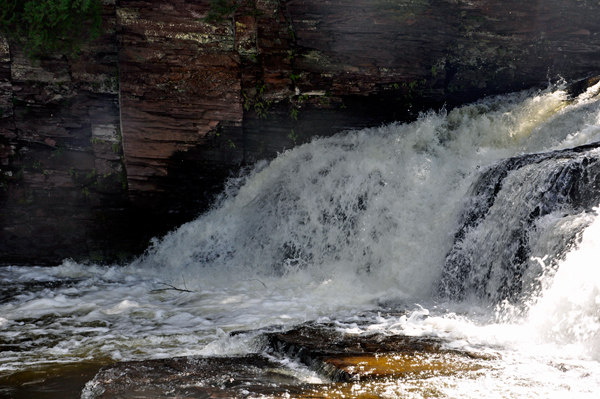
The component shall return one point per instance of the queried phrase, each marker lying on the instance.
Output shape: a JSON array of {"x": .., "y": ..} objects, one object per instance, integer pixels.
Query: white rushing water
[{"x": 359, "y": 222}]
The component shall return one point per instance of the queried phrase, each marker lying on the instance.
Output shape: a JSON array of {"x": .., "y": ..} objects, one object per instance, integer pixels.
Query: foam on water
[{"x": 358, "y": 222}]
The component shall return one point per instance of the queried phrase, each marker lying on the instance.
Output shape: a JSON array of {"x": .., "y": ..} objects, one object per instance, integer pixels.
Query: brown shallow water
[{"x": 56, "y": 381}]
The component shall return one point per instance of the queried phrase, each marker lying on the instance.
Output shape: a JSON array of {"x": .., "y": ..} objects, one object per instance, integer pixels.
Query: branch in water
[
  {"x": 255, "y": 279},
  {"x": 170, "y": 287}
]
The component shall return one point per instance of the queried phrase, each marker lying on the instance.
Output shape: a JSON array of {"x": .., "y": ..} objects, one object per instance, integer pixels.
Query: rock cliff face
[{"x": 99, "y": 153}]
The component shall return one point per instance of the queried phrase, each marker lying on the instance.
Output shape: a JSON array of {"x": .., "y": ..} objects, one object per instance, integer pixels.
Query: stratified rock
[
  {"x": 62, "y": 180},
  {"x": 179, "y": 81}
]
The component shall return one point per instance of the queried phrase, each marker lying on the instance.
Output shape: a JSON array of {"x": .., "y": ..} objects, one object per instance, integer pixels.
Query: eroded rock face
[
  {"x": 179, "y": 81},
  {"x": 138, "y": 134}
]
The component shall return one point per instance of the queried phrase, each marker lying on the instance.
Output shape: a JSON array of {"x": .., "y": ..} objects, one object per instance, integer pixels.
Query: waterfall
[
  {"x": 379, "y": 206},
  {"x": 480, "y": 223}
]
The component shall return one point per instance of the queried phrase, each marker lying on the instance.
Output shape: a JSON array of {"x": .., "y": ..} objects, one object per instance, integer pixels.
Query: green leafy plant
[
  {"x": 46, "y": 26},
  {"x": 261, "y": 108},
  {"x": 293, "y": 136},
  {"x": 261, "y": 105},
  {"x": 58, "y": 153},
  {"x": 294, "y": 114},
  {"x": 326, "y": 99}
]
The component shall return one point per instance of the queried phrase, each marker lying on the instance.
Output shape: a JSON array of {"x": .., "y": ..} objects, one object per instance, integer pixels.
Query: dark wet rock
[
  {"x": 581, "y": 86},
  {"x": 351, "y": 357},
  {"x": 64, "y": 381},
  {"x": 567, "y": 182},
  {"x": 192, "y": 377}
]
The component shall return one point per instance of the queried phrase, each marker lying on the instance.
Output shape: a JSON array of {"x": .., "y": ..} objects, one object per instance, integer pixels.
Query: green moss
[{"x": 46, "y": 26}]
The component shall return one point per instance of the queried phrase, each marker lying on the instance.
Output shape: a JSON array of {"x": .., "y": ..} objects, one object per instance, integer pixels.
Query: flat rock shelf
[{"x": 339, "y": 364}]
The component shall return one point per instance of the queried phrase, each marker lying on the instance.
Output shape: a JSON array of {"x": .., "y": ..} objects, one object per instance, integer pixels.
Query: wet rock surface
[
  {"x": 340, "y": 361},
  {"x": 568, "y": 182},
  {"x": 192, "y": 377},
  {"x": 349, "y": 357}
]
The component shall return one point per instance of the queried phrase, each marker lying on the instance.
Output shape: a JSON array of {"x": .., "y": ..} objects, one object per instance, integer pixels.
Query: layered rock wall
[
  {"x": 99, "y": 153},
  {"x": 60, "y": 151}
]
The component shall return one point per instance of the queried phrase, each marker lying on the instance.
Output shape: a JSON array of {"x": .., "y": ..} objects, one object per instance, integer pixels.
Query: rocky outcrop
[
  {"x": 179, "y": 82},
  {"x": 343, "y": 357},
  {"x": 136, "y": 136}
]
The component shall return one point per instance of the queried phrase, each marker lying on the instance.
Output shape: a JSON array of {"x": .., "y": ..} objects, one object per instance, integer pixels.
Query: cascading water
[{"x": 497, "y": 252}]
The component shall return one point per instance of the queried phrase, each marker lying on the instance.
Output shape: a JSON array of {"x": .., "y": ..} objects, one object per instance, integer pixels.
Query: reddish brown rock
[
  {"x": 179, "y": 83},
  {"x": 60, "y": 151}
]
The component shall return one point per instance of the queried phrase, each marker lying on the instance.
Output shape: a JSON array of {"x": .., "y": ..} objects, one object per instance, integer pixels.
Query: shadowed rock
[{"x": 564, "y": 183}]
